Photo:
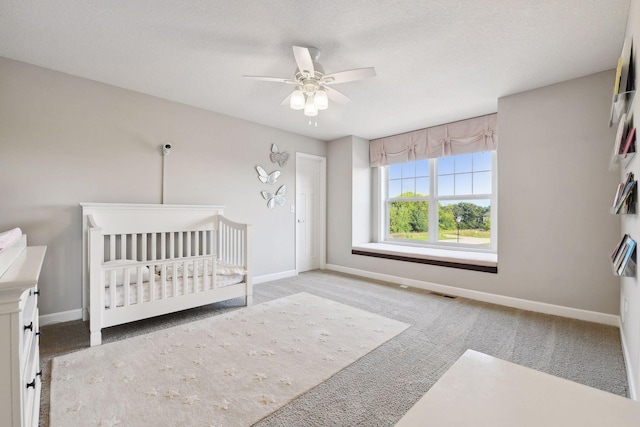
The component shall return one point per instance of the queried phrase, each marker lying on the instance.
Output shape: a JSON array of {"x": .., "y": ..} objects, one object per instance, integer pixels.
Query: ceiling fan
[{"x": 312, "y": 91}]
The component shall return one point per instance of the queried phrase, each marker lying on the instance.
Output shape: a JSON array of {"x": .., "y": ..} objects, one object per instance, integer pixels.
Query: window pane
[
  {"x": 408, "y": 170},
  {"x": 473, "y": 227},
  {"x": 422, "y": 168},
  {"x": 482, "y": 183},
  {"x": 395, "y": 188},
  {"x": 395, "y": 171},
  {"x": 409, "y": 220},
  {"x": 482, "y": 161},
  {"x": 445, "y": 165},
  {"x": 463, "y": 184},
  {"x": 463, "y": 162},
  {"x": 422, "y": 186},
  {"x": 445, "y": 185},
  {"x": 408, "y": 187}
]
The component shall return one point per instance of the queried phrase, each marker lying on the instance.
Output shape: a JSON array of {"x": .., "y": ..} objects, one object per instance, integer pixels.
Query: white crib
[{"x": 143, "y": 260}]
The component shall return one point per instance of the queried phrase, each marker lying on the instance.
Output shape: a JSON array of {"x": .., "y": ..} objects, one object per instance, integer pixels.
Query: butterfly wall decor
[
  {"x": 278, "y": 157},
  {"x": 275, "y": 199},
  {"x": 267, "y": 178}
]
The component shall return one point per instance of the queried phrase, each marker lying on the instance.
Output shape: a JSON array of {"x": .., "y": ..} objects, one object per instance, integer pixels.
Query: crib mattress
[{"x": 202, "y": 285}]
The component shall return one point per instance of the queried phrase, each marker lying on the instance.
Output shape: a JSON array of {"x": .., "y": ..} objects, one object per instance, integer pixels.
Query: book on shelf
[
  {"x": 617, "y": 145},
  {"x": 624, "y": 192},
  {"x": 631, "y": 246},
  {"x": 631, "y": 136},
  {"x": 626, "y": 78},
  {"x": 616, "y": 251},
  {"x": 618, "y": 261},
  {"x": 616, "y": 86}
]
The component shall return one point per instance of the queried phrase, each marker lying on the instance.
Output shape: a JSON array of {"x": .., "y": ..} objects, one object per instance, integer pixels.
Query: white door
[{"x": 310, "y": 212}]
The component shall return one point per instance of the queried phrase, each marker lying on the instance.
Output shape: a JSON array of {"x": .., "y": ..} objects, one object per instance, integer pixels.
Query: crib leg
[
  {"x": 249, "y": 300},
  {"x": 96, "y": 338}
]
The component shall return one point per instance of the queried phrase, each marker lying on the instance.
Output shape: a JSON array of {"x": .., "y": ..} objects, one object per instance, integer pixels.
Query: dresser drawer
[
  {"x": 29, "y": 325},
  {"x": 31, "y": 384}
]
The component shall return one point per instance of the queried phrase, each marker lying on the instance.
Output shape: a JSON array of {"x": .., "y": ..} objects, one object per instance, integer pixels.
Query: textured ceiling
[{"x": 436, "y": 60}]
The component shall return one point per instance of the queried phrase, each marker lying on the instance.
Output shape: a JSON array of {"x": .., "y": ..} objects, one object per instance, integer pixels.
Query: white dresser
[{"x": 20, "y": 374}]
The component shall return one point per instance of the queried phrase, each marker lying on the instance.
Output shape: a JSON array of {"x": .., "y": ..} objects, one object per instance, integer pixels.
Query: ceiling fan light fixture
[
  {"x": 321, "y": 100},
  {"x": 297, "y": 101},
  {"x": 310, "y": 108}
]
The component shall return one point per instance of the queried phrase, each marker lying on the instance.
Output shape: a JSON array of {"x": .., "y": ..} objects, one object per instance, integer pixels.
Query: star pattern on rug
[
  {"x": 188, "y": 377},
  {"x": 260, "y": 377},
  {"x": 110, "y": 422},
  {"x": 67, "y": 377},
  {"x": 224, "y": 405},
  {"x": 152, "y": 392},
  {"x": 267, "y": 400},
  {"x": 172, "y": 393},
  {"x": 76, "y": 407},
  {"x": 96, "y": 380},
  {"x": 187, "y": 366},
  {"x": 285, "y": 381},
  {"x": 190, "y": 400}
]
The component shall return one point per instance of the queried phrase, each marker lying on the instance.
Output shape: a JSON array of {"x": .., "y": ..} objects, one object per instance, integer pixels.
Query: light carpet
[{"x": 232, "y": 369}]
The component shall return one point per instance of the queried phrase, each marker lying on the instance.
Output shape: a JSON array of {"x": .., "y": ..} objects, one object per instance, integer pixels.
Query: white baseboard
[
  {"x": 64, "y": 316},
  {"x": 540, "y": 307},
  {"x": 633, "y": 393},
  {"x": 275, "y": 276}
]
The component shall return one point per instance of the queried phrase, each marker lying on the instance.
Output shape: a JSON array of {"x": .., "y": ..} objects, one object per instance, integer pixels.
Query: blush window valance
[{"x": 463, "y": 137}]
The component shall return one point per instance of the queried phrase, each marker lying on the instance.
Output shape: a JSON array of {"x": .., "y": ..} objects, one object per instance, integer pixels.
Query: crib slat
[
  {"x": 188, "y": 244},
  {"x": 143, "y": 242},
  {"x": 126, "y": 275},
  {"x": 140, "y": 283},
  {"x": 196, "y": 243},
  {"x": 174, "y": 279},
  {"x": 112, "y": 289},
  {"x": 134, "y": 246},
  {"x": 163, "y": 245},
  {"x": 172, "y": 242},
  {"x": 154, "y": 247},
  {"x": 163, "y": 281},
  {"x": 112, "y": 247},
  {"x": 180, "y": 245}
]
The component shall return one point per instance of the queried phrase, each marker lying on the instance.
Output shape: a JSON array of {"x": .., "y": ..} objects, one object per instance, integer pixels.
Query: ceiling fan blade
[
  {"x": 336, "y": 96},
  {"x": 272, "y": 79},
  {"x": 303, "y": 59},
  {"x": 350, "y": 75}
]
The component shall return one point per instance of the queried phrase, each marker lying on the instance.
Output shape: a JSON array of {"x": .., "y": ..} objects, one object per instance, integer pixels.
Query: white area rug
[{"x": 228, "y": 370}]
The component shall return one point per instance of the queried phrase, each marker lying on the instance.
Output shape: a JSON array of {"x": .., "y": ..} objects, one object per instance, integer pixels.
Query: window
[{"x": 445, "y": 201}]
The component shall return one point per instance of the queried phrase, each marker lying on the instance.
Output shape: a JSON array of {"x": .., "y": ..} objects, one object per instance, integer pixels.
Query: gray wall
[
  {"x": 555, "y": 188},
  {"x": 65, "y": 140}
]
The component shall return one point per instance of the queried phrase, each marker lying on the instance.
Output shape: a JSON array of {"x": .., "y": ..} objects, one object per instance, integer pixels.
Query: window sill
[{"x": 466, "y": 260}]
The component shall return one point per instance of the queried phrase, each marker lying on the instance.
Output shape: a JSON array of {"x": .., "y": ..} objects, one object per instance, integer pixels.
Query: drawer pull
[
  {"x": 29, "y": 326},
  {"x": 37, "y": 292},
  {"x": 39, "y": 374},
  {"x": 32, "y": 384},
  {"x": 38, "y": 333}
]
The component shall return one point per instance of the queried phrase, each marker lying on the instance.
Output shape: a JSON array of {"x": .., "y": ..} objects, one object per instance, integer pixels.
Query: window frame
[{"x": 433, "y": 199}]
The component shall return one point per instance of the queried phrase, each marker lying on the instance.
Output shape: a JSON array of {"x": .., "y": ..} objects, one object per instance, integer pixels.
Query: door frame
[{"x": 322, "y": 232}]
